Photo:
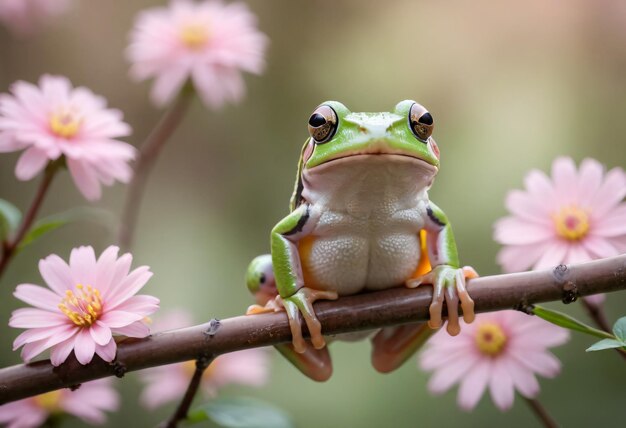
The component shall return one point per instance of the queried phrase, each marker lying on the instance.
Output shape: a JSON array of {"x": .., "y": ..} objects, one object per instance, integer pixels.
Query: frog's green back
[{"x": 296, "y": 196}]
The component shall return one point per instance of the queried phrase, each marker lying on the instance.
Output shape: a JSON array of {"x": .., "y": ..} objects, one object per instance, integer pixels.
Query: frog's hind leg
[
  {"x": 314, "y": 363},
  {"x": 392, "y": 346}
]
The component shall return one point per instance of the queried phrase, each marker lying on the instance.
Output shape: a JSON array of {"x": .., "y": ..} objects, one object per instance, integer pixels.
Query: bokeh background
[{"x": 511, "y": 85}]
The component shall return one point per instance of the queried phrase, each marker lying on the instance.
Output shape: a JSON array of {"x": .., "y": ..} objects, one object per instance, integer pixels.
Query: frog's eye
[
  {"x": 421, "y": 122},
  {"x": 322, "y": 124}
]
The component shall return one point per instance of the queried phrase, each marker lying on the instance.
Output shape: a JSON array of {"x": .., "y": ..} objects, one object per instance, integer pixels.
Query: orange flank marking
[
  {"x": 305, "y": 246},
  {"x": 423, "y": 267}
]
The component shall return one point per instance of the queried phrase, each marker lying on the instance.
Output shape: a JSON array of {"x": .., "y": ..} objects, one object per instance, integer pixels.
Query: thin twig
[
  {"x": 360, "y": 312},
  {"x": 596, "y": 313},
  {"x": 542, "y": 414},
  {"x": 148, "y": 154},
  {"x": 183, "y": 408},
  {"x": 9, "y": 248}
]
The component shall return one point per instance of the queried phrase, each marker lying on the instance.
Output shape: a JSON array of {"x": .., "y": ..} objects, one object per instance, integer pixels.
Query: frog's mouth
[{"x": 385, "y": 156}]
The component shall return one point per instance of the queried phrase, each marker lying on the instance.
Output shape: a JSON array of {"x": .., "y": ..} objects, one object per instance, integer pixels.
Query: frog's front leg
[
  {"x": 295, "y": 296},
  {"x": 447, "y": 277}
]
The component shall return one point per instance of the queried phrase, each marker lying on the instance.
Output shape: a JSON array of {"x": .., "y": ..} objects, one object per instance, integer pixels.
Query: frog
[{"x": 360, "y": 220}]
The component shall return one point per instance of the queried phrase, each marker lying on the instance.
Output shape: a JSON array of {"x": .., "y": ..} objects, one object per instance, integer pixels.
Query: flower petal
[
  {"x": 38, "y": 297},
  {"x": 523, "y": 205},
  {"x": 83, "y": 265},
  {"x": 142, "y": 305},
  {"x": 84, "y": 347},
  {"x": 565, "y": 179},
  {"x": 514, "y": 231},
  {"x": 85, "y": 179},
  {"x": 501, "y": 385},
  {"x": 35, "y": 318},
  {"x": 136, "y": 329},
  {"x": 57, "y": 274},
  {"x": 612, "y": 224},
  {"x": 30, "y": 163},
  {"x": 444, "y": 378},
  {"x": 129, "y": 286},
  {"x": 473, "y": 385},
  {"x": 61, "y": 351},
  {"x": 611, "y": 192},
  {"x": 108, "y": 351},
  {"x": 100, "y": 333},
  {"x": 117, "y": 319}
]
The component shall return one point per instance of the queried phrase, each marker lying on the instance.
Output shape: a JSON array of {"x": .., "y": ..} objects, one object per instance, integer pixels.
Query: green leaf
[
  {"x": 240, "y": 412},
  {"x": 564, "y": 320},
  {"x": 619, "y": 329},
  {"x": 53, "y": 222},
  {"x": 606, "y": 344},
  {"x": 10, "y": 217}
]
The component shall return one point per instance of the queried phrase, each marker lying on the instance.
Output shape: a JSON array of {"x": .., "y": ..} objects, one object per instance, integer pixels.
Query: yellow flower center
[
  {"x": 490, "y": 339},
  {"x": 82, "y": 307},
  {"x": 571, "y": 223},
  {"x": 194, "y": 36},
  {"x": 49, "y": 401},
  {"x": 65, "y": 123}
]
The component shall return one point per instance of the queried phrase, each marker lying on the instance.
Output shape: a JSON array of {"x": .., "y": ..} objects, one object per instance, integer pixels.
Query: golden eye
[
  {"x": 322, "y": 124},
  {"x": 421, "y": 122}
]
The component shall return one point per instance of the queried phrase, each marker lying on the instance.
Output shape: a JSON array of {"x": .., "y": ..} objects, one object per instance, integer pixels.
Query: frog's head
[{"x": 337, "y": 133}]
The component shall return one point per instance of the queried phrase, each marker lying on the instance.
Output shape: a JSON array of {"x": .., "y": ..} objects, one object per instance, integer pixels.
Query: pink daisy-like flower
[
  {"x": 89, "y": 300},
  {"x": 501, "y": 351},
  {"x": 24, "y": 17},
  {"x": 88, "y": 402},
  {"x": 209, "y": 42},
  {"x": 169, "y": 383},
  {"x": 53, "y": 120},
  {"x": 571, "y": 217}
]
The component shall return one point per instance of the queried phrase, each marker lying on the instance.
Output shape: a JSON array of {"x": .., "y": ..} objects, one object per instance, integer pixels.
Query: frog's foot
[
  {"x": 314, "y": 363},
  {"x": 271, "y": 306},
  {"x": 449, "y": 285},
  {"x": 392, "y": 346},
  {"x": 302, "y": 302}
]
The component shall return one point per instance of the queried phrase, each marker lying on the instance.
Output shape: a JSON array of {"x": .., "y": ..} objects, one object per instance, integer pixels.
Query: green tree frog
[{"x": 360, "y": 219}]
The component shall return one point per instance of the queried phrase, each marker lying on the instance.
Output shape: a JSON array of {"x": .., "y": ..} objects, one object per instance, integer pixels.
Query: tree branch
[{"x": 352, "y": 313}]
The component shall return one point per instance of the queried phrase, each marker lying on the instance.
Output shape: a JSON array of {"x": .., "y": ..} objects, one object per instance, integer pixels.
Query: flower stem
[
  {"x": 9, "y": 248},
  {"x": 148, "y": 154},
  {"x": 183, "y": 408},
  {"x": 541, "y": 413},
  {"x": 596, "y": 313}
]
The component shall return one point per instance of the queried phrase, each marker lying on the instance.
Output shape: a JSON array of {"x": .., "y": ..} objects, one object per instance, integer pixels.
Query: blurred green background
[{"x": 511, "y": 86}]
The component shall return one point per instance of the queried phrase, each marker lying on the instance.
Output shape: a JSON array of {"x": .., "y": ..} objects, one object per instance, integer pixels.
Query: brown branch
[
  {"x": 10, "y": 248},
  {"x": 148, "y": 154},
  {"x": 352, "y": 313},
  {"x": 541, "y": 412},
  {"x": 183, "y": 408}
]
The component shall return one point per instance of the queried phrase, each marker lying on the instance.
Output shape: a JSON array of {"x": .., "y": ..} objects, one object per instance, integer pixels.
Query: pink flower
[
  {"x": 88, "y": 302},
  {"x": 88, "y": 403},
  {"x": 500, "y": 350},
  {"x": 24, "y": 17},
  {"x": 208, "y": 42},
  {"x": 54, "y": 119},
  {"x": 169, "y": 383},
  {"x": 572, "y": 217}
]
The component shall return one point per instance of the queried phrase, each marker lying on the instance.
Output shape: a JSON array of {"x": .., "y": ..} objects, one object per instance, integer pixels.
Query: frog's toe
[
  {"x": 452, "y": 302},
  {"x": 302, "y": 302},
  {"x": 299, "y": 345},
  {"x": 467, "y": 303},
  {"x": 436, "y": 306},
  {"x": 258, "y": 309}
]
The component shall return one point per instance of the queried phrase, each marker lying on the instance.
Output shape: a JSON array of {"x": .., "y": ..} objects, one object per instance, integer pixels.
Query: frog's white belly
[
  {"x": 367, "y": 235},
  {"x": 360, "y": 256}
]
